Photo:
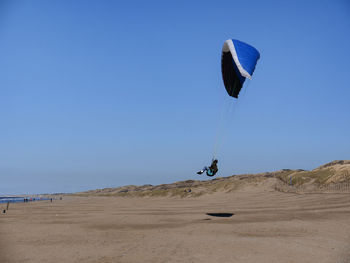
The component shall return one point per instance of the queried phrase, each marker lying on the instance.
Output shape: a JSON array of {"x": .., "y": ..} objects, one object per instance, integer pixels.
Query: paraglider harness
[{"x": 213, "y": 168}]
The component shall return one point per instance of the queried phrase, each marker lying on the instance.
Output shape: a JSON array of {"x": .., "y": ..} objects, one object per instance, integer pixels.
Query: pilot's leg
[{"x": 203, "y": 170}]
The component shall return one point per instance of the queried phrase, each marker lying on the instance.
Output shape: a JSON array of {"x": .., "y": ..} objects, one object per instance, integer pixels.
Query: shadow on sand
[{"x": 220, "y": 214}]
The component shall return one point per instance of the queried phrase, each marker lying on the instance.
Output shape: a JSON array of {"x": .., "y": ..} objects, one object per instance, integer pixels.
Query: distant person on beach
[{"x": 211, "y": 170}]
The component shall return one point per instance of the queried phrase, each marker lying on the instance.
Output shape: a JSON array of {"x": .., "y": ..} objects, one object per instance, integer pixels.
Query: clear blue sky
[{"x": 106, "y": 93}]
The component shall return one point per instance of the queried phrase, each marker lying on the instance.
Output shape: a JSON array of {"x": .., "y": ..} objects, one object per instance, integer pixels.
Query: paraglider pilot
[{"x": 211, "y": 170}]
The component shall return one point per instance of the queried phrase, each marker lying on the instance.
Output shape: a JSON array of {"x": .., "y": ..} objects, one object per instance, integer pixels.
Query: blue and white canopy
[{"x": 238, "y": 61}]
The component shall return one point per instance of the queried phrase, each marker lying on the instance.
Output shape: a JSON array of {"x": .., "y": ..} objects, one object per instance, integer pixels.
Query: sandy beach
[{"x": 266, "y": 226}]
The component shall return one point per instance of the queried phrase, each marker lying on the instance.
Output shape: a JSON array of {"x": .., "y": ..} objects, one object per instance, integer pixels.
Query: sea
[{"x": 17, "y": 199}]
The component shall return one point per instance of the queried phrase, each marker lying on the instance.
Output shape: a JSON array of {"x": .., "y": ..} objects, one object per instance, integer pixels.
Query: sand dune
[
  {"x": 265, "y": 226},
  {"x": 332, "y": 176}
]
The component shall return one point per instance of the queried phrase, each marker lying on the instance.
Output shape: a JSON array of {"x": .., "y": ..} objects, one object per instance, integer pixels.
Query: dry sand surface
[{"x": 267, "y": 226}]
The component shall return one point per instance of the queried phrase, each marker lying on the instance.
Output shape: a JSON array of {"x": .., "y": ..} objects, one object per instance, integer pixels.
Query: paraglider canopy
[{"x": 238, "y": 61}]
